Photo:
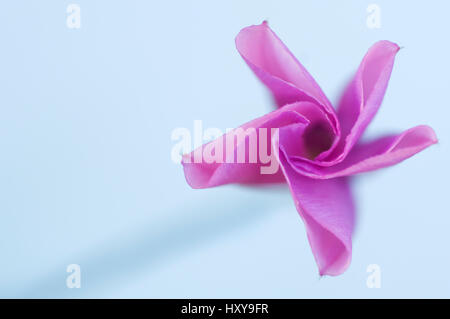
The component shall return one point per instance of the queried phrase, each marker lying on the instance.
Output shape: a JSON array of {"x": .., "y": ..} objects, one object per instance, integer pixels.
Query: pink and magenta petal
[
  {"x": 363, "y": 97},
  {"x": 279, "y": 70},
  {"x": 380, "y": 153},
  {"x": 327, "y": 209},
  {"x": 203, "y": 174}
]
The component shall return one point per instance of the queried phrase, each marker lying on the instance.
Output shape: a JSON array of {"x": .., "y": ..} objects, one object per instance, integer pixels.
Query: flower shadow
[{"x": 104, "y": 268}]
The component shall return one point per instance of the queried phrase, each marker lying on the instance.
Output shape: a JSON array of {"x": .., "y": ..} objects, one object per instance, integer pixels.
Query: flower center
[{"x": 318, "y": 137}]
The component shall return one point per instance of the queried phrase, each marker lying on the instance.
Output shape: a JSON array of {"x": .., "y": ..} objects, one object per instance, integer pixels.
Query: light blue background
[{"x": 85, "y": 172}]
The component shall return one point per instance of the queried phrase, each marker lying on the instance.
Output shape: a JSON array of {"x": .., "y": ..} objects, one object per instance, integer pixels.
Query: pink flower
[{"x": 315, "y": 146}]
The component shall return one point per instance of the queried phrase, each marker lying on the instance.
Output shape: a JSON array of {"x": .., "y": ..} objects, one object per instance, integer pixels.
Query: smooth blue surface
[{"x": 86, "y": 177}]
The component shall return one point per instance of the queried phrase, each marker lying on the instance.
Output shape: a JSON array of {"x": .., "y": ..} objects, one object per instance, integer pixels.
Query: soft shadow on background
[{"x": 150, "y": 247}]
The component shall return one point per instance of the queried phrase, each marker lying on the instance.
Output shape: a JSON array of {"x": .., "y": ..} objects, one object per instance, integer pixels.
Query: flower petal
[
  {"x": 326, "y": 207},
  {"x": 363, "y": 97},
  {"x": 201, "y": 173},
  {"x": 278, "y": 69},
  {"x": 380, "y": 153}
]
